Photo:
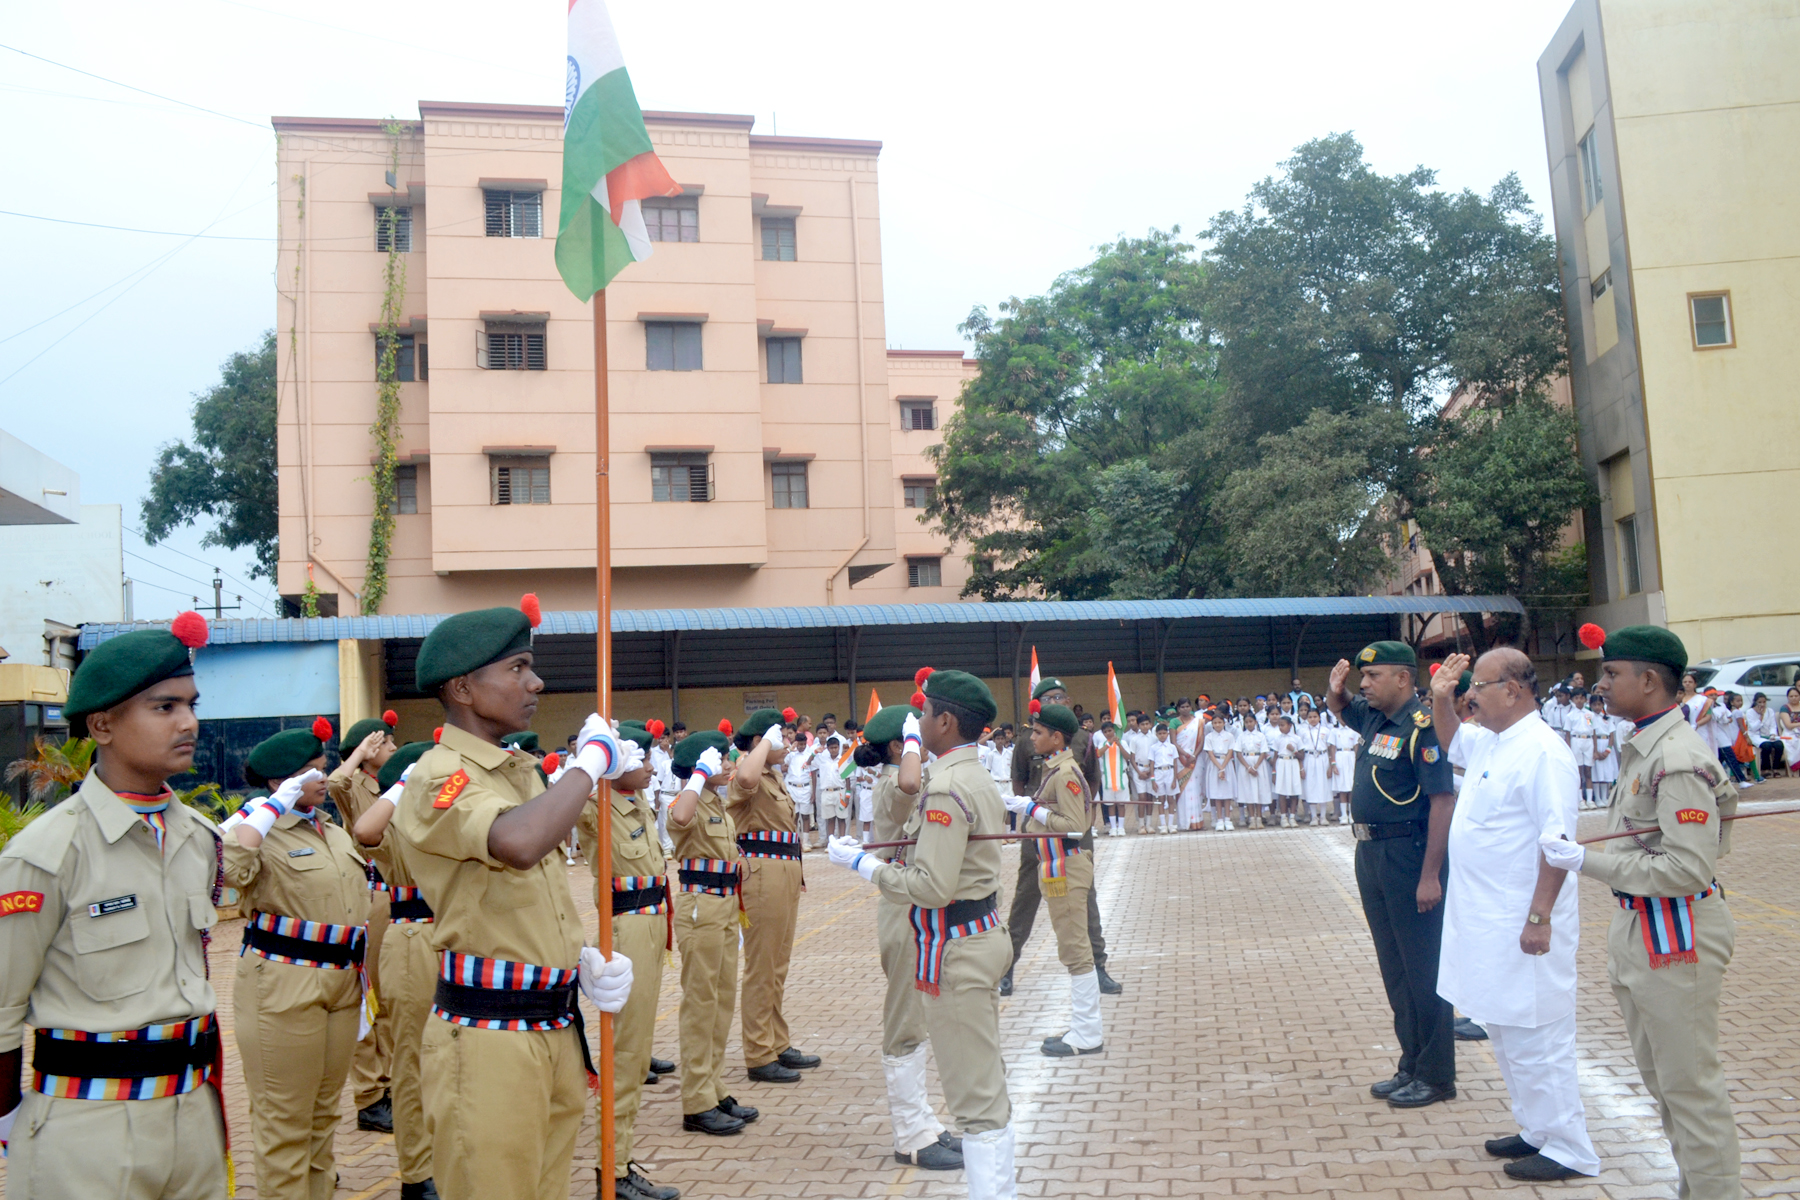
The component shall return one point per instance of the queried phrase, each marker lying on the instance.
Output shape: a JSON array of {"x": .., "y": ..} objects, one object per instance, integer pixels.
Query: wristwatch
[{"x": 1534, "y": 919}]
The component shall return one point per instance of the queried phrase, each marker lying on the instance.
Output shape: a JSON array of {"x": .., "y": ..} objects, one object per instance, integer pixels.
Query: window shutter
[
  {"x": 534, "y": 352},
  {"x": 502, "y": 485},
  {"x": 481, "y": 351},
  {"x": 496, "y": 214}
]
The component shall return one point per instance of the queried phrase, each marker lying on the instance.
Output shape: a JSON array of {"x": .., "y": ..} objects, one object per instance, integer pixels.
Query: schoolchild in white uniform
[
  {"x": 1163, "y": 762},
  {"x": 798, "y": 775},
  {"x": 1608, "y": 738},
  {"x": 1252, "y": 757},
  {"x": 1343, "y": 767},
  {"x": 1218, "y": 757},
  {"x": 1315, "y": 768},
  {"x": 1578, "y": 729},
  {"x": 1285, "y": 746},
  {"x": 830, "y": 756}
]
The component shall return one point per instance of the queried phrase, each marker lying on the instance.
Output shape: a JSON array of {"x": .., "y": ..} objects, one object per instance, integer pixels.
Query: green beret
[
  {"x": 468, "y": 642},
  {"x": 758, "y": 722},
  {"x": 401, "y": 759},
  {"x": 1638, "y": 643},
  {"x": 353, "y": 736},
  {"x": 1047, "y": 685},
  {"x": 631, "y": 731},
  {"x": 961, "y": 688},
  {"x": 1397, "y": 654},
  {"x": 688, "y": 749},
  {"x": 1055, "y": 716},
  {"x": 885, "y": 726},
  {"x": 120, "y": 668},
  {"x": 1463, "y": 681},
  {"x": 287, "y": 753},
  {"x": 526, "y": 740}
]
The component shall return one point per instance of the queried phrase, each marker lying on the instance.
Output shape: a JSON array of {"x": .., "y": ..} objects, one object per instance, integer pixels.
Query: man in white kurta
[{"x": 1520, "y": 784}]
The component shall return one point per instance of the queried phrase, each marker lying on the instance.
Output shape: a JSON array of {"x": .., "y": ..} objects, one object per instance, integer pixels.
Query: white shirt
[
  {"x": 1578, "y": 721},
  {"x": 1518, "y": 786}
]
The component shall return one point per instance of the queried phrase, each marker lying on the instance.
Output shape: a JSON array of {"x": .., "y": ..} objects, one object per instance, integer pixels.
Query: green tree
[{"x": 228, "y": 473}]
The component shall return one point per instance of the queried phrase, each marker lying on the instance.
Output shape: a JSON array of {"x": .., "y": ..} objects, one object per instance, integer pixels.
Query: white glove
[
  {"x": 1018, "y": 804},
  {"x": 705, "y": 767},
  {"x": 1564, "y": 855},
  {"x": 773, "y": 736},
  {"x": 6, "y": 1124},
  {"x": 597, "y": 750},
  {"x": 910, "y": 734},
  {"x": 271, "y": 809},
  {"x": 634, "y": 756},
  {"x": 848, "y": 852},
  {"x": 604, "y": 981}
]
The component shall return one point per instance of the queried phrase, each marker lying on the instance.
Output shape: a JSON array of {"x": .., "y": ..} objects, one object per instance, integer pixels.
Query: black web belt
[
  {"x": 505, "y": 1004},
  {"x": 961, "y": 912},
  {"x": 627, "y": 902},
  {"x": 410, "y": 910},
  {"x": 724, "y": 880},
  {"x": 121, "y": 1060},
  {"x": 336, "y": 953},
  {"x": 1376, "y": 831},
  {"x": 751, "y": 844}
]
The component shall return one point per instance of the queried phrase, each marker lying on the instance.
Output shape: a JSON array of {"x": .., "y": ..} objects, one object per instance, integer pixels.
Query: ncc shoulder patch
[
  {"x": 1074, "y": 788},
  {"x": 1429, "y": 754},
  {"x": 937, "y": 816},
  {"x": 21, "y": 902},
  {"x": 1692, "y": 816},
  {"x": 452, "y": 788}
]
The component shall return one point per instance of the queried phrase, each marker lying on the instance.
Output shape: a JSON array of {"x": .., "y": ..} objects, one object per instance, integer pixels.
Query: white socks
[{"x": 915, "y": 1125}]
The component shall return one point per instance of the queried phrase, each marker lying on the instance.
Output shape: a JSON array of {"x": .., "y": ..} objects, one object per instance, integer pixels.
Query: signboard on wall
[{"x": 756, "y": 700}]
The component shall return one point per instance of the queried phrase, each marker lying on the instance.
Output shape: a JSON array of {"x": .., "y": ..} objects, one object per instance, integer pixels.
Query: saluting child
[{"x": 1285, "y": 745}]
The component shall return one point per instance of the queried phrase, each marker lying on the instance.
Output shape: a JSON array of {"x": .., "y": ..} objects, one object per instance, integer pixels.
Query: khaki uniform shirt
[
  {"x": 1672, "y": 788},
  {"x": 893, "y": 808},
  {"x": 959, "y": 798},
  {"x": 297, "y": 871},
  {"x": 762, "y": 804},
  {"x": 636, "y": 849},
  {"x": 482, "y": 906},
  {"x": 711, "y": 834},
  {"x": 1028, "y": 768},
  {"x": 1062, "y": 800},
  {"x": 353, "y": 791},
  {"x": 141, "y": 961}
]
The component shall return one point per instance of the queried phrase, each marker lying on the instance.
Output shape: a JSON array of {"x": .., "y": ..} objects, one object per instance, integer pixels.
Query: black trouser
[
  {"x": 1773, "y": 758},
  {"x": 1026, "y": 895},
  {"x": 1406, "y": 945},
  {"x": 1729, "y": 760}
]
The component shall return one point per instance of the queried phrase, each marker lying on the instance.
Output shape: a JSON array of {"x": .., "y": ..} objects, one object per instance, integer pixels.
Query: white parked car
[{"x": 1771, "y": 674}]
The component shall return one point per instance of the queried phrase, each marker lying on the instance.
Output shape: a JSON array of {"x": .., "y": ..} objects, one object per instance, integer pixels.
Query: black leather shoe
[
  {"x": 742, "y": 1112},
  {"x": 1006, "y": 983},
  {"x": 949, "y": 1139},
  {"x": 661, "y": 1066},
  {"x": 1108, "y": 985},
  {"x": 774, "y": 1072},
  {"x": 1057, "y": 1048},
  {"x": 1510, "y": 1147},
  {"x": 633, "y": 1186},
  {"x": 1418, "y": 1094},
  {"x": 793, "y": 1060},
  {"x": 1387, "y": 1087},
  {"x": 425, "y": 1189},
  {"x": 713, "y": 1121},
  {"x": 378, "y": 1117},
  {"x": 1466, "y": 1030},
  {"x": 652, "y": 1078},
  {"x": 933, "y": 1156},
  {"x": 1538, "y": 1169}
]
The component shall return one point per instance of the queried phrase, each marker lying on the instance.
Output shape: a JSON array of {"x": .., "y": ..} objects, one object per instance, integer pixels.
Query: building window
[
  {"x": 411, "y": 360},
  {"x": 1591, "y": 193},
  {"x": 1628, "y": 555},
  {"x": 673, "y": 220},
  {"x": 918, "y": 414},
  {"x": 671, "y": 345},
  {"x": 790, "y": 484},
  {"x": 918, "y": 492},
  {"x": 1712, "y": 320},
  {"x": 393, "y": 230},
  {"x": 784, "y": 360},
  {"x": 681, "y": 477},
  {"x": 406, "y": 490},
  {"x": 778, "y": 239},
  {"x": 519, "y": 480},
  {"x": 512, "y": 348},
  {"x": 924, "y": 572},
  {"x": 515, "y": 214},
  {"x": 1602, "y": 284}
]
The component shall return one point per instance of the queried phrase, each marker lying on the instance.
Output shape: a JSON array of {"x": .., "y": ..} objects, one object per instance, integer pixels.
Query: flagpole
[{"x": 603, "y": 690}]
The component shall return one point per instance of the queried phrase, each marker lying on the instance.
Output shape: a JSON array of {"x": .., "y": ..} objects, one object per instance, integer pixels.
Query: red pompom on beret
[
  {"x": 321, "y": 729},
  {"x": 190, "y": 630},
  {"x": 552, "y": 761},
  {"x": 918, "y": 701},
  {"x": 921, "y": 675},
  {"x": 437, "y": 735},
  {"x": 1036, "y": 707},
  {"x": 656, "y": 728},
  {"x": 725, "y": 727},
  {"x": 534, "y": 612},
  {"x": 1592, "y": 636},
  {"x": 390, "y": 718},
  {"x": 788, "y": 714}
]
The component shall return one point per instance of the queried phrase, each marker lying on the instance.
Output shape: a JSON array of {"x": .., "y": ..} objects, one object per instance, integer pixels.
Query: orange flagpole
[{"x": 603, "y": 694}]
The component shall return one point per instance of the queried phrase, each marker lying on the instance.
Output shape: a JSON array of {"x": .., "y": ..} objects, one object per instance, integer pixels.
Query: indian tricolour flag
[
  {"x": 1113, "y": 765},
  {"x": 1034, "y": 669},
  {"x": 608, "y": 165}
]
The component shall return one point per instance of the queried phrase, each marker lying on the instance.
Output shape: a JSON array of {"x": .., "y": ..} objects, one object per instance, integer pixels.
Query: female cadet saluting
[{"x": 298, "y": 986}]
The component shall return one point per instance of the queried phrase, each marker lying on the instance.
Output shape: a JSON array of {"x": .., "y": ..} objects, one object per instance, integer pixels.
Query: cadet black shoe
[
  {"x": 1538, "y": 1169},
  {"x": 1006, "y": 983},
  {"x": 1510, "y": 1147},
  {"x": 1387, "y": 1087},
  {"x": 1108, "y": 984},
  {"x": 1466, "y": 1030},
  {"x": 1418, "y": 1094},
  {"x": 1057, "y": 1048},
  {"x": 949, "y": 1139},
  {"x": 933, "y": 1156},
  {"x": 651, "y": 1078},
  {"x": 425, "y": 1189},
  {"x": 661, "y": 1066},
  {"x": 713, "y": 1121},
  {"x": 774, "y": 1072},
  {"x": 793, "y": 1060},
  {"x": 378, "y": 1117},
  {"x": 742, "y": 1112},
  {"x": 633, "y": 1186}
]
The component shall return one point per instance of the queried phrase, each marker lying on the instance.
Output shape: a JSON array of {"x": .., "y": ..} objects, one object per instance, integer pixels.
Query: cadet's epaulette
[{"x": 1421, "y": 719}]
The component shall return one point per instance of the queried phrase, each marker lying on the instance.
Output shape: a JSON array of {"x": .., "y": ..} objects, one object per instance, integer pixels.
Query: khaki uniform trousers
[
  {"x": 167, "y": 1149},
  {"x": 902, "y": 1009},
  {"x": 409, "y": 973},
  {"x": 502, "y": 1108},
  {"x": 641, "y": 938},
  {"x": 772, "y": 899},
  {"x": 296, "y": 1029},
  {"x": 963, "y": 1020},
  {"x": 371, "y": 1067},
  {"x": 1672, "y": 1017},
  {"x": 1027, "y": 888},
  {"x": 706, "y": 929},
  {"x": 1069, "y": 919}
]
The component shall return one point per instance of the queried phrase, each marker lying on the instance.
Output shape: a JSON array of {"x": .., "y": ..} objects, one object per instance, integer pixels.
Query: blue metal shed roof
[{"x": 663, "y": 620}]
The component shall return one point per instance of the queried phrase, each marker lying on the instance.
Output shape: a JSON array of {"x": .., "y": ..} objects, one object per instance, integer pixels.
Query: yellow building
[
  {"x": 1673, "y": 131},
  {"x": 766, "y": 447}
]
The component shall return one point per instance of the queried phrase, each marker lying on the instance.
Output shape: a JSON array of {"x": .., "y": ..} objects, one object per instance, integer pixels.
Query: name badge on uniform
[
  {"x": 302, "y": 853},
  {"x": 715, "y": 820},
  {"x": 637, "y": 833},
  {"x": 107, "y": 908}
]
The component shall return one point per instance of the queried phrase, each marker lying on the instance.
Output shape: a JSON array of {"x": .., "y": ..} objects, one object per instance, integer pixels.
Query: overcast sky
[{"x": 1016, "y": 138}]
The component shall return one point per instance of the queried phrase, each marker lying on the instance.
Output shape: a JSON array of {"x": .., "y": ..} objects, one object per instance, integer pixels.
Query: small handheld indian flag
[
  {"x": 608, "y": 165},
  {"x": 1034, "y": 669},
  {"x": 1113, "y": 765}
]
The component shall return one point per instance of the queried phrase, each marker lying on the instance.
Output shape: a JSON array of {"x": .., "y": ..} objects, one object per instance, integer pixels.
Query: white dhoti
[{"x": 1538, "y": 1065}]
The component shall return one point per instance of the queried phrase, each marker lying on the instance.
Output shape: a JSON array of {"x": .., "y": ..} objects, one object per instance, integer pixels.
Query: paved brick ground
[{"x": 1237, "y": 1060}]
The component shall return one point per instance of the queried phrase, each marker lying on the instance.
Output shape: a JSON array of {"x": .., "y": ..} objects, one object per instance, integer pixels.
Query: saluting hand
[
  {"x": 1340, "y": 675},
  {"x": 1443, "y": 684}
]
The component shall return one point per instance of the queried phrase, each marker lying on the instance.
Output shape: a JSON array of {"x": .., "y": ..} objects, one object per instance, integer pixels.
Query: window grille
[{"x": 515, "y": 214}]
